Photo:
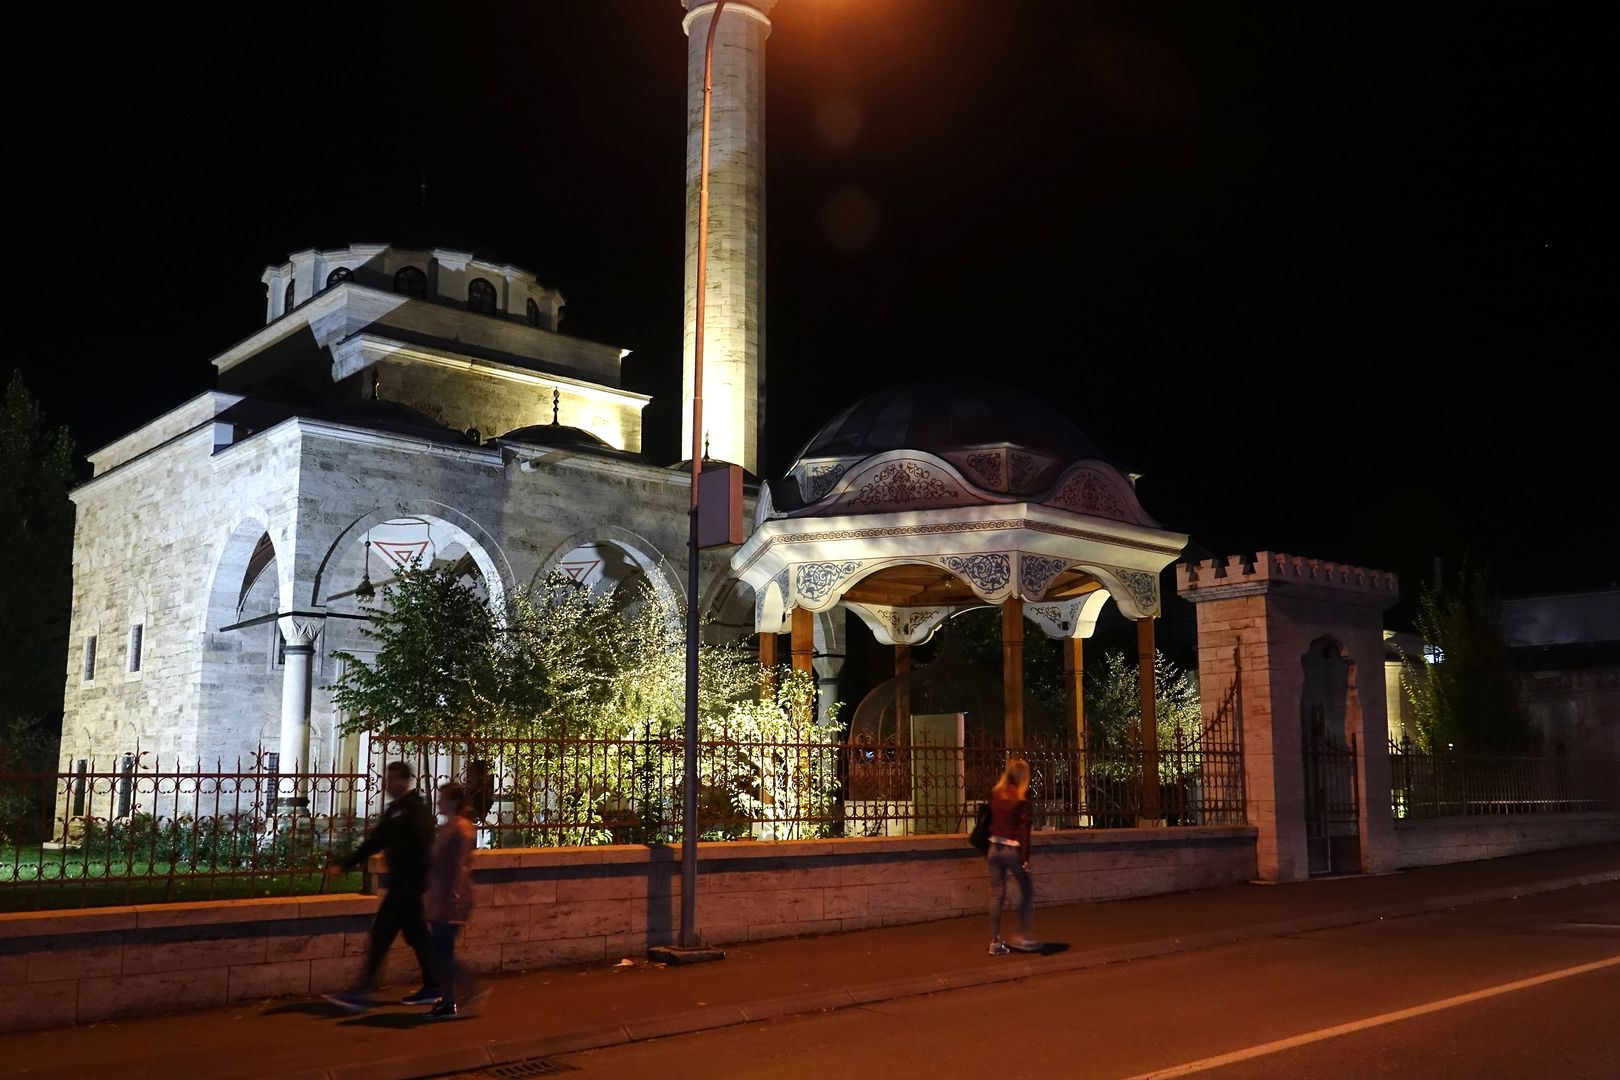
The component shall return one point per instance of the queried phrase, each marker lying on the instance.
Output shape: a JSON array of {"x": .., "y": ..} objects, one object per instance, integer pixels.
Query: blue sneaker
[{"x": 428, "y": 995}]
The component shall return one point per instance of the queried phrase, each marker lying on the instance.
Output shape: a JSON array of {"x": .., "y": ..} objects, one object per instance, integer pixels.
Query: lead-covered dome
[{"x": 1000, "y": 438}]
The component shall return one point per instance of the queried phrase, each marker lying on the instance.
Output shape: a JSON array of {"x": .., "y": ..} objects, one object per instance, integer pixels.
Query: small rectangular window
[
  {"x": 135, "y": 647},
  {"x": 80, "y": 768},
  {"x": 90, "y": 658},
  {"x": 278, "y": 647}
]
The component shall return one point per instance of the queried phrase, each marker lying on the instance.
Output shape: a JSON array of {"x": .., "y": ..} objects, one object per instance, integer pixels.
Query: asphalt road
[{"x": 1519, "y": 988}]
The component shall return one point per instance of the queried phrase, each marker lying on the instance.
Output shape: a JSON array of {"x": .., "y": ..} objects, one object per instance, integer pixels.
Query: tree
[
  {"x": 1464, "y": 692},
  {"x": 36, "y": 578},
  {"x": 1114, "y": 706},
  {"x": 434, "y": 669}
]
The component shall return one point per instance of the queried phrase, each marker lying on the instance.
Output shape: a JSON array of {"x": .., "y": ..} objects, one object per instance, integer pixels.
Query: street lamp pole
[{"x": 689, "y": 822}]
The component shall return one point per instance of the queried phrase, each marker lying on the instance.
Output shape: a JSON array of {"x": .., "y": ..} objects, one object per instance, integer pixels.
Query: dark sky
[{"x": 1331, "y": 276}]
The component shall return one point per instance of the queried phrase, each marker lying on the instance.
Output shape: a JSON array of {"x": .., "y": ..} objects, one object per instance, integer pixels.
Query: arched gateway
[{"x": 934, "y": 497}]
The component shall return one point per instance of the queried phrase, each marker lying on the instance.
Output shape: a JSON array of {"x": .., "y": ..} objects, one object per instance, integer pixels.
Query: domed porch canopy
[{"x": 941, "y": 496}]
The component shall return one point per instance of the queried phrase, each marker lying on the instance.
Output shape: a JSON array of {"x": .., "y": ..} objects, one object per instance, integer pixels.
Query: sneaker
[
  {"x": 428, "y": 995},
  {"x": 998, "y": 949},
  {"x": 354, "y": 1001},
  {"x": 1025, "y": 944},
  {"x": 444, "y": 1010}
]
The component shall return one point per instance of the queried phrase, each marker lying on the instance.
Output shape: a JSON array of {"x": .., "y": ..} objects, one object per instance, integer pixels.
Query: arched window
[
  {"x": 481, "y": 297},
  {"x": 287, "y": 298},
  {"x": 534, "y": 312},
  {"x": 338, "y": 276},
  {"x": 411, "y": 282}
]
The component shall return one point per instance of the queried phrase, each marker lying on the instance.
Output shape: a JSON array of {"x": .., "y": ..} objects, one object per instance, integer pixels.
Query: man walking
[{"x": 404, "y": 836}]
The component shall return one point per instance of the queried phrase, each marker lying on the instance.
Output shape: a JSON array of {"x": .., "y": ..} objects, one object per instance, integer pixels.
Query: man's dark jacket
[{"x": 404, "y": 836}]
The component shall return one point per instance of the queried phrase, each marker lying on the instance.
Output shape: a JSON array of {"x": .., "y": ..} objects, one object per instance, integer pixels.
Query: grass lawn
[{"x": 35, "y": 880}]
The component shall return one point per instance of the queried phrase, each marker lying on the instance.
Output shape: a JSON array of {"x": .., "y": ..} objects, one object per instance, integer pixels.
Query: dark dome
[
  {"x": 949, "y": 414},
  {"x": 564, "y": 437}
]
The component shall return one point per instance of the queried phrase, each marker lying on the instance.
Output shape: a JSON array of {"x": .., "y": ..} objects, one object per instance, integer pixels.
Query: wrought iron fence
[
  {"x": 538, "y": 792},
  {"x": 140, "y": 829},
  {"x": 1431, "y": 785}
]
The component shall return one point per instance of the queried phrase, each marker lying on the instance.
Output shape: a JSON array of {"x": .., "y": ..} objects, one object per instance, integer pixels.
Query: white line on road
[{"x": 1263, "y": 1049}]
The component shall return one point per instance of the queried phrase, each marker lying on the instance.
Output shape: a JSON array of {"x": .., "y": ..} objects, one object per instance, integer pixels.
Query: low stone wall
[
  {"x": 1434, "y": 841},
  {"x": 544, "y": 907}
]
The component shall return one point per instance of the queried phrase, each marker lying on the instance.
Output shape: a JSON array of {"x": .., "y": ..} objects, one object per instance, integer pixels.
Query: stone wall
[
  {"x": 1432, "y": 842},
  {"x": 538, "y": 908}
]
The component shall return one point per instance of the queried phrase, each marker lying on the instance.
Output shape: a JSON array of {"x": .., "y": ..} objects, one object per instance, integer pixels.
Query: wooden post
[
  {"x": 767, "y": 650},
  {"x": 902, "y": 694},
  {"x": 1075, "y": 703},
  {"x": 1150, "y": 814},
  {"x": 1012, "y": 672},
  {"x": 803, "y": 645}
]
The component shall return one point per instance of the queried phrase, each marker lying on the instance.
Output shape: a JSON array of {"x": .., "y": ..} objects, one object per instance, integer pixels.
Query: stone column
[
  {"x": 299, "y": 633},
  {"x": 828, "y": 660},
  {"x": 734, "y": 315},
  {"x": 1012, "y": 672}
]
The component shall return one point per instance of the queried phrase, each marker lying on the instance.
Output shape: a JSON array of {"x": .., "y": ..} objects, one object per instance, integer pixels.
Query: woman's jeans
[
  {"x": 450, "y": 973},
  {"x": 1005, "y": 859}
]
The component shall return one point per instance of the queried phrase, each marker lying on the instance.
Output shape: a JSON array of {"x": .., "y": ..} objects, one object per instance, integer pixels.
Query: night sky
[{"x": 1331, "y": 276}]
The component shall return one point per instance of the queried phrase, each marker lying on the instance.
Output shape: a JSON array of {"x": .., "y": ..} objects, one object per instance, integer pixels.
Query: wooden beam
[
  {"x": 1012, "y": 672},
  {"x": 803, "y": 645},
  {"x": 1151, "y": 814},
  {"x": 902, "y": 695},
  {"x": 1074, "y": 689},
  {"x": 767, "y": 650}
]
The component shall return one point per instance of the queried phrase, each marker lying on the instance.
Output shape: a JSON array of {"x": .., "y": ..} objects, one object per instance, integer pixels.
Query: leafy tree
[
  {"x": 36, "y": 579},
  {"x": 1465, "y": 694},
  {"x": 434, "y": 668},
  {"x": 1114, "y": 706}
]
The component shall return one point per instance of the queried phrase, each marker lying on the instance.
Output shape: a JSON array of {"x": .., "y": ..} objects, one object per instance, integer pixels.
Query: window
[
  {"x": 90, "y": 658},
  {"x": 135, "y": 647},
  {"x": 534, "y": 312},
  {"x": 481, "y": 297},
  {"x": 80, "y": 768},
  {"x": 278, "y": 647},
  {"x": 287, "y": 298},
  {"x": 339, "y": 276},
  {"x": 411, "y": 282}
]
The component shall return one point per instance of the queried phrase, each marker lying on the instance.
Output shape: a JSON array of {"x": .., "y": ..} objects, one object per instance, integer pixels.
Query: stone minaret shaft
[{"x": 734, "y": 316}]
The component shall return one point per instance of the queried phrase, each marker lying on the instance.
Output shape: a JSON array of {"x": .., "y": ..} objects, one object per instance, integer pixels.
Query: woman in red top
[{"x": 1009, "y": 854}]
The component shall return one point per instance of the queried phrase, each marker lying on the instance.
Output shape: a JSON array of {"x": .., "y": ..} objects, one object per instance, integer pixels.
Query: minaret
[{"x": 734, "y": 317}]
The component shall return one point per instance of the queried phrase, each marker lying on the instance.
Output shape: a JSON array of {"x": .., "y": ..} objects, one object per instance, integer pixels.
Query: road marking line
[{"x": 1263, "y": 1049}]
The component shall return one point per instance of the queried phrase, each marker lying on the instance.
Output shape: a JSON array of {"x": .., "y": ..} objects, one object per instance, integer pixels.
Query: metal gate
[{"x": 1332, "y": 829}]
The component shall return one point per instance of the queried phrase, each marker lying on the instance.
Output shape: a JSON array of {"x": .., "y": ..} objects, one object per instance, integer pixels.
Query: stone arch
[
  {"x": 479, "y": 544},
  {"x": 728, "y": 608},
  {"x": 243, "y": 539},
  {"x": 635, "y": 555}
]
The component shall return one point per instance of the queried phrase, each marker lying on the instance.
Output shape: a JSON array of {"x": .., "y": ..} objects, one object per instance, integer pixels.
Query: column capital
[{"x": 300, "y": 627}]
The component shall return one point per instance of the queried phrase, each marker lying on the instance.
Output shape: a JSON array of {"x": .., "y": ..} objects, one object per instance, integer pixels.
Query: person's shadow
[{"x": 397, "y": 1021}]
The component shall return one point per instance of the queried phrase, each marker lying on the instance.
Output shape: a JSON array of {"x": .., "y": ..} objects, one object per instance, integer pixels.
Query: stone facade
[{"x": 243, "y": 514}]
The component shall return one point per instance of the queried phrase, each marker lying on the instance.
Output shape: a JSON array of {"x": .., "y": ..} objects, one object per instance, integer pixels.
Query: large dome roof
[{"x": 946, "y": 415}]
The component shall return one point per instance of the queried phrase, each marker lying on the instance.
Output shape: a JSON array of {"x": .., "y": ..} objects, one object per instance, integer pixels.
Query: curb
[{"x": 469, "y": 1059}]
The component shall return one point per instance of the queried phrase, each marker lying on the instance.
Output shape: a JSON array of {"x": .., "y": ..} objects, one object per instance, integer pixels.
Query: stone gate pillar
[{"x": 1257, "y": 623}]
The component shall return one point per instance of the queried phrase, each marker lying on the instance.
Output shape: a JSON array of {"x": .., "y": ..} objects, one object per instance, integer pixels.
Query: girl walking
[
  {"x": 1010, "y": 819},
  {"x": 449, "y": 901}
]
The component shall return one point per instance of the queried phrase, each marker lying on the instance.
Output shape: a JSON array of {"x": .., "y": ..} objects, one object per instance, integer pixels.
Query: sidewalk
[{"x": 562, "y": 1009}]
